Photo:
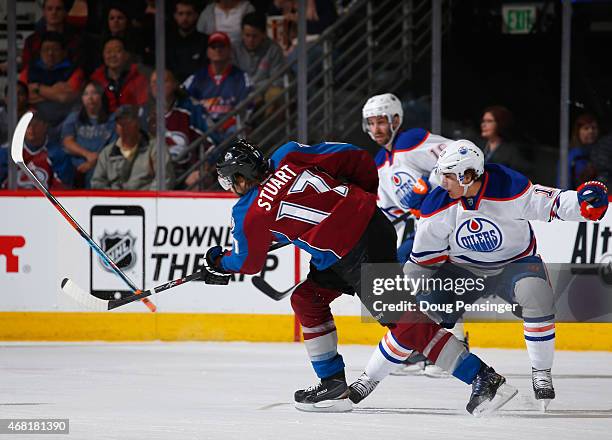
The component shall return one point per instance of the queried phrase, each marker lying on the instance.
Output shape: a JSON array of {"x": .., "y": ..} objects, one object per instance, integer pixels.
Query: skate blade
[
  {"x": 331, "y": 406},
  {"x": 544, "y": 404},
  {"x": 503, "y": 395}
]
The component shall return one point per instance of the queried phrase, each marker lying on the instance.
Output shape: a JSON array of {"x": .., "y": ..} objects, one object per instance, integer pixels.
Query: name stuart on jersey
[{"x": 272, "y": 184}]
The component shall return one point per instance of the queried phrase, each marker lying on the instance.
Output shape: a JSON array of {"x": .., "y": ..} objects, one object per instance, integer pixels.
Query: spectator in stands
[
  {"x": 601, "y": 160},
  {"x": 129, "y": 162},
  {"x": 122, "y": 82},
  {"x": 54, "y": 20},
  {"x": 87, "y": 131},
  {"x": 185, "y": 122},
  {"x": 45, "y": 157},
  {"x": 22, "y": 106},
  {"x": 54, "y": 82},
  {"x": 119, "y": 24},
  {"x": 320, "y": 14},
  {"x": 257, "y": 55},
  {"x": 500, "y": 145},
  {"x": 221, "y": 86},
  {"x": 224, "y": 16},
  {"x": 186, "y": 46},
  {"x": 585, "y": 133}
]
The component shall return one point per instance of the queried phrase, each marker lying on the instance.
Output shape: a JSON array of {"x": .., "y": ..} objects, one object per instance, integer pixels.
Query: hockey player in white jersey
[
  {"x": 479, "y": 218},
  {"x": 405, "y": 163}
]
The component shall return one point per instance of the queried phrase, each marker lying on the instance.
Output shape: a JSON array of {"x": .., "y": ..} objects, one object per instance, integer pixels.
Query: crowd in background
[{"x": 87, "y": 71}]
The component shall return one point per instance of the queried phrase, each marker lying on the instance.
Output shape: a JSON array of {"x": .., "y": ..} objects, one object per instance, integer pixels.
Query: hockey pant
[
  {"x": 311, "y": 300},
  {"x": 523, "y": 283}
]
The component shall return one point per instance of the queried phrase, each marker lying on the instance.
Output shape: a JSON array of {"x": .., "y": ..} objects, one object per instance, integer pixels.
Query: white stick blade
[
  {"x": 19, "y": 137},
  {"x": 82, "y": 297}
]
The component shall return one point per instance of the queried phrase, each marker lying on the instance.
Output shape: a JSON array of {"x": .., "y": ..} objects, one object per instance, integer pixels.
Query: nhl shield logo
[{"x": 120, "y": 248}]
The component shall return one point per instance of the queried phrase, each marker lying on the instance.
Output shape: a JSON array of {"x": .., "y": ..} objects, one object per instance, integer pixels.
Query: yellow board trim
[{"x": 51, "y": 326}]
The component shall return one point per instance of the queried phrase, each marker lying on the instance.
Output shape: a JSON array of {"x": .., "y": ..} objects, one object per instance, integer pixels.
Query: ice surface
[{"x": 244, "y": 391}]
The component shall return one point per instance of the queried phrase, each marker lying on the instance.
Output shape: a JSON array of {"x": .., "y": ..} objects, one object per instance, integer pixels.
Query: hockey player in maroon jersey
[{"x": 322, "y": 198}]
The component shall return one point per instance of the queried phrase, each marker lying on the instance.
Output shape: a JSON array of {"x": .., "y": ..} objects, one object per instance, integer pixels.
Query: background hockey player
[
  {"x": 405, "y": 164},
  {"x": 479, "y": 218},
  {"x": 322, "y": 198}
]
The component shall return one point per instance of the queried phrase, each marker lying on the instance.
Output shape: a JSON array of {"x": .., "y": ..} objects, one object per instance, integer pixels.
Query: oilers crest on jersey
[
  {"x": 479, "y": 234},
  {"x": 413, "y": 155}
]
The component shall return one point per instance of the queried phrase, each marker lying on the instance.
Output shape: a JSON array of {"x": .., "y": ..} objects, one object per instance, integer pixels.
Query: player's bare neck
[{"x": 473, "y": 189}]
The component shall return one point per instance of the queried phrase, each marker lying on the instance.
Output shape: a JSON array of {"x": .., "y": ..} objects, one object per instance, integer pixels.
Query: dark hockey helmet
[{"x": 241, "y": 158}]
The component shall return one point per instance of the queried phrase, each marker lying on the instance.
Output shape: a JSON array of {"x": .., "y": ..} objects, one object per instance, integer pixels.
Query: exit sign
[{"x": 518, "y": 19}]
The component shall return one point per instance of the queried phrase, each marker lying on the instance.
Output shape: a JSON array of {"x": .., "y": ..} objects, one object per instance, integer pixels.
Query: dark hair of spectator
[
  {"x": 20, "y": 85},
  {"x": 37, "y": 116},
  {"x": 256, "y": 20},
  {"x": 104, "y": 113},
  {"x": 191, "y": 3},
  {"x": 112, "y": 38},
  {"x": 64, "y": 4},
  {"x": 581, "y": 121},
  {"x": 121, "y": 8},
  {"x": 55, "y": 37},
  {"x": 504, "y": 120}
]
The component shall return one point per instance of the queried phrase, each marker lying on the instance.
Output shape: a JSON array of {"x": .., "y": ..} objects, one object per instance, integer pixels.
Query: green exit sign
[{"x": 518, "y": 19}]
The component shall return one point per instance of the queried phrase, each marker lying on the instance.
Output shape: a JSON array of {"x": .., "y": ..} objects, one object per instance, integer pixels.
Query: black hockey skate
[
  {"x": 489, "y": 392},
  {"x": 542, "y": 387},
  {"x": 329, "y": 395},
  {"x": 361, "y": 388}
]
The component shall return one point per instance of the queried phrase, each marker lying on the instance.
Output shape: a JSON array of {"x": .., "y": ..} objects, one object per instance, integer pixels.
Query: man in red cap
[{"x": 220, "y": 86}]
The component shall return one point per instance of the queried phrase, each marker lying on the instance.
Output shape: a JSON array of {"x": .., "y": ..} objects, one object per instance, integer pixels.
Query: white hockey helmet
[
  {"x": 387, "y": 105},
  {"x": 458, "y": 157}
]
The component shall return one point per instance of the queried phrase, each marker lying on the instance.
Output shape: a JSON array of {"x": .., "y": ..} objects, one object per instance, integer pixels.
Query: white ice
[{"x": 244, "y": 391}]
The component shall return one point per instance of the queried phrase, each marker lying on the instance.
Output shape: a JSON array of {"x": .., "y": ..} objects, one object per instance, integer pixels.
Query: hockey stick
[
  {"x": 17, "y": 156},
  {"x": 101, "y": 305},
  {"x": 265, "y": 287},
  {"x": 94, "y": 303}
]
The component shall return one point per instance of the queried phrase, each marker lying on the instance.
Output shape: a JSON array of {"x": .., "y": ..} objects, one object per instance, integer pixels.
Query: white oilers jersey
[
  {"x": 413, "y": 156},
  {"x": 492, "y": 228}
]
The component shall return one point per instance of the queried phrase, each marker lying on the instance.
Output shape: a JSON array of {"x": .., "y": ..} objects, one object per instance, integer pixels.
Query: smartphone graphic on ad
[{"x": 120, "y": 232}]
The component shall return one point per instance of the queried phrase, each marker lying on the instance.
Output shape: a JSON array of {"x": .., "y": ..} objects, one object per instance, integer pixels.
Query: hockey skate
[
  {"x": 542, "y": 387},
  {"x": 413, "y": 366},
  {"x": 361, "y": 388},
  {"x": 329, "y": 395},
  {"x": 489, "y": 392}
]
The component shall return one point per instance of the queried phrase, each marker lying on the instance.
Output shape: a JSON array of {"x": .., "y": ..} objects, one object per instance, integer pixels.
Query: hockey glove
[
  {"x": 213, "y": 273},
  {"x": 593, "y": 200},
  {"x": 413, "y": 199}
]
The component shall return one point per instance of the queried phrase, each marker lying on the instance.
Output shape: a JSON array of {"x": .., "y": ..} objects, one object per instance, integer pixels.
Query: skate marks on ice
[
  {"x": 513, "y": 413},
  {"x": 560, "y": 376},
  {"x": 530, "y": 410},
  {"x": 23, "y": 403}
]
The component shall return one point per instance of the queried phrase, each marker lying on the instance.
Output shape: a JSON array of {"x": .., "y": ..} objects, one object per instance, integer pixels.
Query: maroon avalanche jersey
[{"x": 319, "y": 197}]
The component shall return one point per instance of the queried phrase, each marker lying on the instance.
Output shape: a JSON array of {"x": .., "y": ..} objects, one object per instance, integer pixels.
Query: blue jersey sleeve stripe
[
  {"x": 410, "y": 139},
  {"x": 504, "y": 183}
]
